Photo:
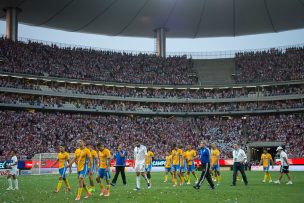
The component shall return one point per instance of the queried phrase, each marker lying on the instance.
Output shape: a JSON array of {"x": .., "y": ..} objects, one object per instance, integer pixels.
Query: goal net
[{"x": 42, "y": 163}]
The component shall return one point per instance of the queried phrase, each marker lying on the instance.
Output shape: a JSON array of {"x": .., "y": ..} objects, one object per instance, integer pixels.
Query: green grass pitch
[{"x": 41, "y": 189}]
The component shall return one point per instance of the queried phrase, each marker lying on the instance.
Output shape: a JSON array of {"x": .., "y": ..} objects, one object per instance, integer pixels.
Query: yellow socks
[
  {"x": 219, "y": 178},
  {"x": 86, "y": 189},
  {"x": 166, "y": 178},
  {"x": 188, "y": 177},
  {"x": 108, "y": 188},
  {"x": 67, "y": 183},
  {"x": 181, "y": 179},
  {"x": 265, "y": 176},
  {"x": 79, "y": 191},
  {"x": 101, "y": 187},
  {"x": 59, "y": 185}
]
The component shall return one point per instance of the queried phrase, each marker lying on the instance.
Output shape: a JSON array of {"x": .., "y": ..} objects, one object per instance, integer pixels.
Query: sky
[{"x": 260, "y": 41}]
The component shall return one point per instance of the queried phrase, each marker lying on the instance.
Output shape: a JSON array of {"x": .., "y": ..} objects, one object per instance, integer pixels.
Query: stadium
[{"x": 221, "y": 126}]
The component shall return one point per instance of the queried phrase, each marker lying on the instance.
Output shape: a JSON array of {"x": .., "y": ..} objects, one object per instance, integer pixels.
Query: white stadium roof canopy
[{"x": 181, "y": 18}]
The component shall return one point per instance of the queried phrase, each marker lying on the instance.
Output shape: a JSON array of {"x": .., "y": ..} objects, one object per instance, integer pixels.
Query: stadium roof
[{"x": 182, "y": 18}]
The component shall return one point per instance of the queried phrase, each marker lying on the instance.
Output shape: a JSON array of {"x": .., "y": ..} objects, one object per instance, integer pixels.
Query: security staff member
[
  {"x": 239, "y": 159},
  {"x": 204, "y": 155},
  {"x": 120, "y": 157}
]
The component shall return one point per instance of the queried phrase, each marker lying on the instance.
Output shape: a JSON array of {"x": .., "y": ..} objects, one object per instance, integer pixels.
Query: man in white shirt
[
  {"x": 140, "y": 153},
  {"x": 13, "y": 172},
  {"x": 239, "y": 159},
  {"x": 284, "y": 166}
]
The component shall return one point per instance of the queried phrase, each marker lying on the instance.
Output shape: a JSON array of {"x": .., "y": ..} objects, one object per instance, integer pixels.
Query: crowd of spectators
[
  {"x": 87, "y": 64},
  {"x": 41, "y": 132},
  {"x": 126, "y": 92},
  {"x": 96, "y": 104},
  {"x": 271, "y": 65}
]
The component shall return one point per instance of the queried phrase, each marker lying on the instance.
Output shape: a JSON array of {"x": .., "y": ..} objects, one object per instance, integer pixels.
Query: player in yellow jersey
[
  {"x": 176, "y": 153},
  {"x": 190, "y": 156},
  {"x": 168, "y": 166},
  {"x": 104, "y": 156},
  {"x": 149, "y": 160},
  {"x": 82, "y": 158},
  {"x": 92, "y": 169},
  {"x": 63, "y": 158},
  {"x": 183, "y": 166},
  {"x": 215, "y": 162},
  {"x": 266, "y": 159}
]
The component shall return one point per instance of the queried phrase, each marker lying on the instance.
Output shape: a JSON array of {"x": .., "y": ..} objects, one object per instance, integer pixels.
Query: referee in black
[
  {"x": 204, "y": 154},
  {"x": 120, "y": 165}
]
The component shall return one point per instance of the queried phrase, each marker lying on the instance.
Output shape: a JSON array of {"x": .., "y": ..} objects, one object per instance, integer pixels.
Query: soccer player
[
  {"x": 215, "y": 162},
  {"x": 183, "y": 166},
  {"x": 149, "y": 160},
  {"x": 13, "y": 172},
  {"x": 92, "y": 169},
  {"x": 140, "y": 153},
  {"x": 266, "y": 159},
  {"x": 104, "y": 156},
  {"x": 168, "y": 166},
  {"x": 204, "y": 154},
  {"x": 82, "y": 158},
  {"x": 284, "y": 166},
  {"x": 176, "y": 155},
  {"x": 63, "y": 158},
  {"x": 190, "y": 155}
]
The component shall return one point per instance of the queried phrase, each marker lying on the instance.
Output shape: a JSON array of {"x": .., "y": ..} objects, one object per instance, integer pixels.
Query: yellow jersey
[
  {"x": 176, "y": 156},
  {"x": 190, "y": 156},
  {"x": 82, "y": 157},
  {"x": 62, "y": 159},
  {"x": 94, "y": 156},
  {"x": 168, "y": 161},
  {"x": 266, "y": 159},
  {"x": 182, "y": 159},
  {"x": 215, "y": 156},
  {"x": 103, "y": 156},
  {"x": 149, "y": 156}
]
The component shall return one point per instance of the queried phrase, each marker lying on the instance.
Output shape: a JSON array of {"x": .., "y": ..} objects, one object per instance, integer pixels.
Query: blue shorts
[
  {"x": 93, "y": 171},
  {"x": 62, "y": 172},
  {"x": 266, "y": 168},
  {"x": 183, "y": 169},
  {"x": 82, "y": 173},
  {"x": 175, "y": 168},
  {"x": 168, "y": 169},
  {"x": 191, "y": 168},
  {"x": 216, "y": 167},
  {"x": 103, "y": 174},
  {"x": 148, "y": 168}
]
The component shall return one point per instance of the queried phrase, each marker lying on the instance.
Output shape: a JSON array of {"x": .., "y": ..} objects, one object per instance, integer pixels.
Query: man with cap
[{"x": 284, "y": 166}]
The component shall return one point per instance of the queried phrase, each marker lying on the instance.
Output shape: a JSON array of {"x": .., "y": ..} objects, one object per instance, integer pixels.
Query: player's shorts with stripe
[
  {"x": 93, "y": 170},
  {"x": 284, "y": 169},
  {"x": 191, "y": 168},
  {"x": 168, "y": 169},
  {"x": 13, "y": 171},
  {"x": 216, "y": 167},
  {"x": 148, "y": 168},
  {"x": 175, "y": 167},
  {"x": 83, "y": 172},
  {"x": 266, "y": 168},
  {"x": 62, "y": 172},
  {"x": 103, "y": 174}
]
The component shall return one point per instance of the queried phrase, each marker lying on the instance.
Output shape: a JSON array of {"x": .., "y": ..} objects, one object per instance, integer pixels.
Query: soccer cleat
[
  {"x": 277, "y": 182},
  {"x": 196, "y": 187},
  {"x": 149, "y": 185},
  {"x": 77, "y": 198},
  {"x": 165, "y": 181},
  {"x": 136, "y": 189},
  {"x": 196, "y": 181},
  {"x": 16, "y": 188},
  {"x": 9, "y": 188},
  {"x": 270, "y": 181},
  {"x": 289, "y": 183},
  {"x": 56, "y": 191},
  {"x": 188, "y": 183},
  {"x": 218, "y": 184},
  {"x": 263, "y": 181},
  {"x": 101, "y": 193},
  {"x": 174, "y": 185},
  {"x": 68, "y": 189},
  {"x": 88, "y": 195},
  {"x": 107, "y": 194}
]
